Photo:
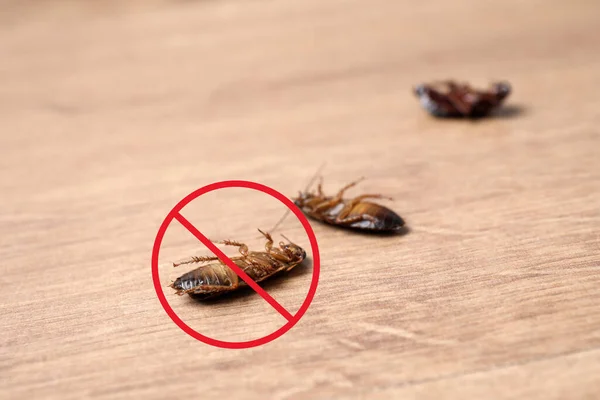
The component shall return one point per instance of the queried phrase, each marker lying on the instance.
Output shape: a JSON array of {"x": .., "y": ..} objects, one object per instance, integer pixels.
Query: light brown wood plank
[{"x": 111, "y": 112}]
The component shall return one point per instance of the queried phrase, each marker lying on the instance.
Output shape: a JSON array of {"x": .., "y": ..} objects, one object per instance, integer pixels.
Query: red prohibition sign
[{"x": 175, "y": 214}]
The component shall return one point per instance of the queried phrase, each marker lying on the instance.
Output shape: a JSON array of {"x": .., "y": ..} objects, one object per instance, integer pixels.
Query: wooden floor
[{"x": 111, "y": 112}]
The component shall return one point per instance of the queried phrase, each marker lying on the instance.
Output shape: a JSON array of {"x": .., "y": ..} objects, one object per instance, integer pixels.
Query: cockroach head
[
  {"x": 295, "y": 251},
  {"x": 302, "y": 198},
  {"x": 306, "y": 194}
]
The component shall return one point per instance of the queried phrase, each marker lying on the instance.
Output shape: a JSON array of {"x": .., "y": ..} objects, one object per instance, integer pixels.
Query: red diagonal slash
[{"x": 205, "y": 241}]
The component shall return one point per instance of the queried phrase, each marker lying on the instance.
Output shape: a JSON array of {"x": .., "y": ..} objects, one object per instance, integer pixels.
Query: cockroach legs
[
  {"x": 242, "y": 247},
  {"x": 327, "y": 204},
  {"x": 277, "y": 253},
  {"x": 338, "y": 197},
  {"x": 211, "y": 288},
  {"x": 358, "y": 218},
  {"x": 195, "y": 259},
  {"x": 461, "y": 105},
  {"x": 202, "y": 259},
  {"x": 269, "y": 243},
  {"x": 340, "y": 194},
  {"x": 350, "y": 205},
  {"x": 453, "y": 85},
  {"x": 358, "y": 199}
]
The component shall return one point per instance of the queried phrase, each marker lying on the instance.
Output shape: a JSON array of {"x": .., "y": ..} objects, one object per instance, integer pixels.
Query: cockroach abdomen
[
  {"x": 389, "y": 221},
  {"x": 380, "y": 218}
]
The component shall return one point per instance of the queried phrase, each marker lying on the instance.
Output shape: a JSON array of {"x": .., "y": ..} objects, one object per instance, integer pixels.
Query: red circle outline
[{"x": 249, "y": 185}]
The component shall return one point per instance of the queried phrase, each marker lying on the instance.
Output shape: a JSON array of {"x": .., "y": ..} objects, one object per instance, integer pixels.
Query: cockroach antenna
[
  {"x": 310, "y": 183},
  {"x": 285, "y": 237}
]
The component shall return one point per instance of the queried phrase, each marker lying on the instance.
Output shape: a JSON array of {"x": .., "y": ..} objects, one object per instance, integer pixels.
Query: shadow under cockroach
[{"x": 402, "y": 231}]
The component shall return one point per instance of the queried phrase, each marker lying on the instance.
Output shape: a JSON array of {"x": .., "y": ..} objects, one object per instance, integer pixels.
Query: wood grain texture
[{"x": 111, "y": 112}]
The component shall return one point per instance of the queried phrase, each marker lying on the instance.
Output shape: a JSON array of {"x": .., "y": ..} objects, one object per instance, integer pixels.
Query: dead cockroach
[
  {"x": 355, "y": 213},
  {"x": 215, "y": 279},
  {"x": 451, "y": 99}
]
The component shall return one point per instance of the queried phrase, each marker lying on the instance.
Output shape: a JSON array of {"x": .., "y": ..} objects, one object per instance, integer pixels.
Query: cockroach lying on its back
[
  {"x": 355, "y": 213},
  {"x": 215, "y": 279},
  {"x": 451, "y": 99}
]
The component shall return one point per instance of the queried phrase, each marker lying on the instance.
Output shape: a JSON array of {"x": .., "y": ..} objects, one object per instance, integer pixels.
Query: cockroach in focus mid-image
[
  {"x": 354, "y": 213},
  {"x": 216, "y": 279},
  {"x": 450, "y": 99}
]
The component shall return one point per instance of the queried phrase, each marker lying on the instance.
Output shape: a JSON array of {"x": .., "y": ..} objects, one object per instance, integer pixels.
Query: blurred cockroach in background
[
  {"x": 354, "y": 213},
  {"x": 215, "y": 279},
  {"x": 450, "y": 99}
]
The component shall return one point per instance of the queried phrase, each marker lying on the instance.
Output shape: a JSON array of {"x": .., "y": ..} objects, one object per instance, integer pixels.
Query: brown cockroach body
[
  {"x": 450, "y": 99},
  {"x": 353, "y": 213},
  {"x": 215, "y": 279}
]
